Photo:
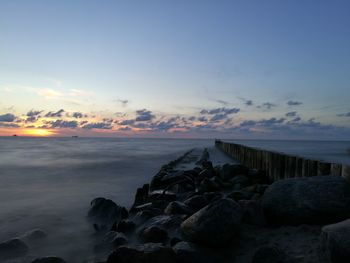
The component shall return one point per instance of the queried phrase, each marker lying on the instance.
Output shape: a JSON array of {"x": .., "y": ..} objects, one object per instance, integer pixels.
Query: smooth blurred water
[
  {"x": 330, "y": 151},
  {"x": 48, "y": 183}
]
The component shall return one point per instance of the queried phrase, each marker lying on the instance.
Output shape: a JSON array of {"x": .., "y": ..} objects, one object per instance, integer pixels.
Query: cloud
[
  {"x": 77, "y": 115},
  {"x": 225, "y": 111},
  {"x": 33, "y": 113},
  {"x": 291, "y": 114},
  {"x": 48, "y": 93},
  {"x": 347, "y": 114},
  {"x": 62, "y": 124},
  {"x": 144, "y": 115},
  {"x": 8, "y": 117},
  {"x": 97, "y": 125},
  {"x": 124, "y": 103},
  {"x": 52, "y": 114},
  {"x": 248, "y": 102},
  {"x": 294, "y": 103},
  {"x": 223, "y": 102},
  {"x": 202, "y": 119},
  {"x": 9, "y": 125},
  {"x": 267, "y": 105},
  {"x": 79, "y": 93},
  {"x": 126, "y": 122}
]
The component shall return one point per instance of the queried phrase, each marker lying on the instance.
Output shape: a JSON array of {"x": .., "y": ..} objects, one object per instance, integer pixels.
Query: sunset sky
[{"x": 187, "y": 68}]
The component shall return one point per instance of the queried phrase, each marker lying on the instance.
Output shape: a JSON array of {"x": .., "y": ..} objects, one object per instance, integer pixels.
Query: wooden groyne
[{"x": 280, "y": 165}]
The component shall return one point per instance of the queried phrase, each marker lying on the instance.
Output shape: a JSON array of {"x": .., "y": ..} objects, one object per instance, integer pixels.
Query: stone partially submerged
[
  {"x": 335, "y": 242},
  {"x": 310, "y": 200},
  {"x": 213, "y": 225},
  {"x": 13, "y": 248}
]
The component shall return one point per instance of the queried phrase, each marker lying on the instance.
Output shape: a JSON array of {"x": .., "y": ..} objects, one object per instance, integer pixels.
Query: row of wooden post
[{"x": 280, "y": 165}]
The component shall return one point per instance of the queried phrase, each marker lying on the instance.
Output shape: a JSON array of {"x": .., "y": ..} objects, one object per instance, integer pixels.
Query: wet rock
[
  {"x": 169, "y": 222},
  {"x": 177, "y": 207},
  {"x": 208, "y": 185},
  {"x": 147, "y": 253},
  {"x": 35, "y": 234},
  {"x": 258, "y": 176},
  {"x": 252, "y": 212},
  {"x": 213, "y": 225},
  {"x": 187, "y": 252},
  {"x": 153, "y": 234},
  {"x": 207, "y": 165},
  {"x": 49, "y": 260},
  {"x": 106, "y": 212},
  {"x": 111, "y": 240},
  {"x": 126, "y": 226},
  {"x": 335, "y": 242},
  {"x": 240, "y": 195},
  {"x": 311, "y": 200},
  {"x": 160, "y": 195},
  {"x": 141, "y": 195},
  {"x": 269, "y": 254},
  {"x": 240, "y": 180},
  {"x": 174, "y": 241},
  {"x": 196, "y": 202},
  {"x": 228, "y": 171},
  {"x": 206, "y": 173},
  {"x": 13, "y": 248}
]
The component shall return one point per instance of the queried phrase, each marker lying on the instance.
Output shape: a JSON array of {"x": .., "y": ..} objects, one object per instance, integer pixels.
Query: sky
[{"x": 187, "y": 68}]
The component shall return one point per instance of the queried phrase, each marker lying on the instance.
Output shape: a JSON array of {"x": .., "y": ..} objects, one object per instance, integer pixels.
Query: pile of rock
[{"x": 198, "y": 215}]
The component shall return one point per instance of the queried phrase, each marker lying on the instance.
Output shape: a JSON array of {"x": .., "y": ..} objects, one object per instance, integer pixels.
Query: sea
[{"x": 48, "y": 183}]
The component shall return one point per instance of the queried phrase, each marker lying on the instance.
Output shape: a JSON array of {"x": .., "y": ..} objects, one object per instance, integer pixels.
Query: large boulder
[
  {"x": 213, "y": 225},
  {"x": 229, "y": 171},
  {"x": 269, "y": 254},
  {"x": 12, "y": 248},
  {"x": 335, "y": 242},
  {"x": 153, "y": 234},
  {"x": 177, "y": 207},
  {"x": 311, "y": 200},
  {"x": 147, "y": 253},
  {"x": 106, "y": 212}
]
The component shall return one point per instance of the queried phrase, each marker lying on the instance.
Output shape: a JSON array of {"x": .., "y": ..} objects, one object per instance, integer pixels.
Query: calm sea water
[
  {"x": 48, "y": 183},
  {"x": 330, "y": 151}
]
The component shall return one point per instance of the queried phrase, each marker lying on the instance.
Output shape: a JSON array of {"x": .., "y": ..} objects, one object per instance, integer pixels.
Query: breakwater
[{"x": 280, "y": 165}]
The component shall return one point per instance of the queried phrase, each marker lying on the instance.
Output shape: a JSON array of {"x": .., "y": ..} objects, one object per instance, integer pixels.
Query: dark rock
[
  {"x": 311, "y": 200},
  {"x": 34, "y": 234},
  {"x": 204, "y": 157},
  {"x": 49, "y": 260},
  {"x": 269, "y": 254},
  {"x": 240, "y": 180},
  {"x": 197, "y": 202},
  {"x": 252, "y": 212},
  {"x": 126, "y": 226},
  {"x": 169, "y": 222},
  {"x": 229, "y": 171},
  {"x": 208, "y": 185},
  {"x": 335, "y": 242},
  {"x": 147, "y": 253},
  {"x": 141, "y": 195},
  {"x": 215, "y": 224},
  {"x": 105, "y": 211},
  {"x": 13, "y": 248},
  {"x": 160, "y": 195},
  {"x": 187, "y": 252},
  {"x": 153, "y": 234},
  {"x": 213, "y": 196},
  {"x": 208, "y": 165},
  {"x": 145, "y": 215},
  {"x": 174, "y": 241},
  {"x": 206, "y": 173},
  {"x": 177, "y": 207},
  {"x": 258, "y": 176},
  {"x": 240, "y": 195}
]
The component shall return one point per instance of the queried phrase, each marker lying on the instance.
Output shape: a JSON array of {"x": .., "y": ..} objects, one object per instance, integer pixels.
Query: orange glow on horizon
[{"x": 38, "y": 132}]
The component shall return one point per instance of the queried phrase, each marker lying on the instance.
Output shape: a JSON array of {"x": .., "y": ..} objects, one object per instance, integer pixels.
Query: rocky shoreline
[{"x": 221, "y": 213}]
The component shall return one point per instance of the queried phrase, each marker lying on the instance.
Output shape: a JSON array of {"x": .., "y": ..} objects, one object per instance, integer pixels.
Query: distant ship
[
  {"x": 15, "y": 135},
  {"x": 75, "y": 136}
]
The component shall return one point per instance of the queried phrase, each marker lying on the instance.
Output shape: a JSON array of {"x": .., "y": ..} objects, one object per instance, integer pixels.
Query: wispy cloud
[
  {"x": 48, "y": 93},
  {"x": 294, "y": 103},
  {"x": 347, "y": 114}
]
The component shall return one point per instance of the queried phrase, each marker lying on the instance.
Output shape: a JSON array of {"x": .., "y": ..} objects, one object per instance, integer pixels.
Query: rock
[
  {"x": 141, "y": 195},
  {"x": 240, "y": 180},
  {"x": 153, "y": 234},
  {"x": 49, "y": 260},
  {"x": 125, "y": 226},
  {"x": 335, "y": 242},
  {"x": 177, "y": 207},
  {"x": 147, "y": 253},
  {"x": 106, "y": 212},
  {"x": 196, "y": 202},
  {"x": 187, "y": 252},
  {"x": 206, "y": 173},
  {"x": 169, "y": 222},
  {"x": 208, "y": 185},
  {"x": 174, "y": 241},
  {"x": 229, "y": 171},
  {"x": 160, "y": 195},
  {"x": 34, "y": 234},
  {"x": 269, "y": 254},
  {"x": 310, "y": 200},
  {"x": 111, "y": 240},
  {"x": 13, "y": 248},
  {"x": 252, "y": 212},
  {"x": 240, "y": 195},
  {"x": 213, "y": 225}
]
